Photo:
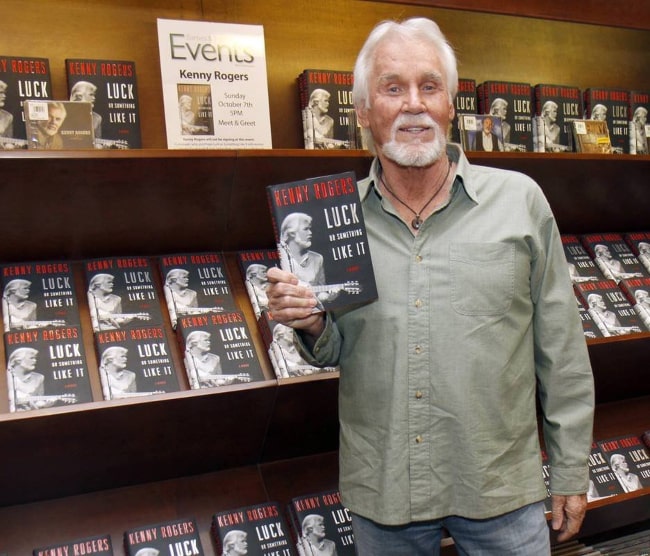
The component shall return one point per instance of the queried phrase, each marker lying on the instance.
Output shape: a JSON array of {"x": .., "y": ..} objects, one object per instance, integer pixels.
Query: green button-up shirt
[{"x": 439, "y": 375}]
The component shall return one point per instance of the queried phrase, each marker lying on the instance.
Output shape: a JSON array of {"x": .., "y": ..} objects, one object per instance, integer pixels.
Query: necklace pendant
[{"x": 416, "y": 222}]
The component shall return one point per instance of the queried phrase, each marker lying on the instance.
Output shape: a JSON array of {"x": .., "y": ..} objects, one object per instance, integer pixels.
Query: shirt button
[
  {"x": 418, "y": 258},
  {"x": 418, "y": 395},
  {"x": 418, "y": 350},
  {"x": 418, "y": 439},
  {"x": 418, "y": 303}
]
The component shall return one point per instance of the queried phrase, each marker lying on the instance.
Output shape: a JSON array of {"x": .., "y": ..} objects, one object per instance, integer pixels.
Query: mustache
[{"x": 420, "y": 120}]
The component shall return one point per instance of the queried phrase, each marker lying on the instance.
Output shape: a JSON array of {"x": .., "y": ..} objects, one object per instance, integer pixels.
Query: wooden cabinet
[{"x": 195, "y": 452}]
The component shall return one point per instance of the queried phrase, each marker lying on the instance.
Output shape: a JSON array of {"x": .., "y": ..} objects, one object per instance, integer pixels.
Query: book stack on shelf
[
  {"x": 610, "y": 105},
  {"x": 555, "y": 107},
  {"x": 45, "y": 356},
  {"x": 130, "y": 337}
]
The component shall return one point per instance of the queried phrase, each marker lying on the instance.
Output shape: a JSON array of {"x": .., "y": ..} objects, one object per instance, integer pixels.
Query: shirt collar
[{"x": 455, "y": 154}]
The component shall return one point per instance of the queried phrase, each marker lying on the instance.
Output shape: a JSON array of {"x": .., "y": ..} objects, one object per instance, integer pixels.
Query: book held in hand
[
  {"x": 21, "y": 78},
  {"x": 322, "y": 239},
  {"x": 218, "y": 350},
  {"x": 46, "y": 367},
  {"x": 195, "y": 284},
  {"x": 100, "y": 545},
  {"x": 58, "y": 124},
  {"x": 321, "y": 524},
  {"x": 629, "y": 459},
  {"x": 256, "y": 530},
  {"x": 171, "y": 538},
  {"x": 112, "y": 89}
]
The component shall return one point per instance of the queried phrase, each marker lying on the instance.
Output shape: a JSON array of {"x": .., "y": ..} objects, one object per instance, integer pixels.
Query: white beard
[{"x": 415, "y": 154}]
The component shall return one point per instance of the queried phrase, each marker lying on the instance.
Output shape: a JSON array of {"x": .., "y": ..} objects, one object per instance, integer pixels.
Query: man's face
[
  {"x": 597, "y": 301},
  {"x": 410, "y": 109},
  {"x": 319, "y": 528},
  {"x": 322, "y": 104},
  {"x": 183, "y": 279},
  {"x": 22, "y": 291},
  {"x": 302, "y": 235},
  {"x": 487, "y": 125},
  {"x": 106, "y": 285},
  {"x": 241, "y": 545},
  {"x": 500, "y": 109},
  {"x": 120, "y": 359},
  {"x": 28, "y": 362},
  {"x": 85, "y": 94},
  {"x": 54, "y": 121}
]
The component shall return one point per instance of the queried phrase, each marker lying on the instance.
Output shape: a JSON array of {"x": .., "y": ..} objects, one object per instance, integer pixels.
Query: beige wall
[{"x": 302, "y": 34}]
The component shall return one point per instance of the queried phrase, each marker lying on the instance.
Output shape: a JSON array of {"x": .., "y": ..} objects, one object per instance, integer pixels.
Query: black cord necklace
[{"x": 417, "y": 221}]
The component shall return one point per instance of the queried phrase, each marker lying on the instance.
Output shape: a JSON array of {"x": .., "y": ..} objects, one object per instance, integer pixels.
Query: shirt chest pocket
[{"x": 482, "y": 277}]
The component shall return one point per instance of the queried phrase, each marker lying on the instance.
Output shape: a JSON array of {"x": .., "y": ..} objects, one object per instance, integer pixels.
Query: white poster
[{"x": 214, "y": 84}]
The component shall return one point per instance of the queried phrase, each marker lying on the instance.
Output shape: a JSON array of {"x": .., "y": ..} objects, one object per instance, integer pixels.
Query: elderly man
[{"x": 475, "y": 315}]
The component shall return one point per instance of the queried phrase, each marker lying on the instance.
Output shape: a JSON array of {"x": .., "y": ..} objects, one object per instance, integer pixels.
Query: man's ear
[
  {"x": 362, "y": 115},
  {"x": 452, "y": 111}
]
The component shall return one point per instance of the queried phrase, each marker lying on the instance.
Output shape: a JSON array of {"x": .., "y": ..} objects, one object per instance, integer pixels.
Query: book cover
[
  {"x": 639, "y": 242},
  {"x": 610, "y": 105},
  {"x": 556, "y": 106},
  {"x": 196, "y": 284},
  {"x": 218, "y": 350},
  {"x": 591, "y": 136},
  {"x": 256, "y": 530},
  {"x": 321, "y": 524},
  {"x": 639, "y": 128},
  {"x": 135, "y": 362},
  {"x": 481, "y": 132},
  {"x": 325, "y": 105},
  {"x": 111, "y": 87},
  {"x": 58, "y": 124},
  {"x": 637, "y": 291},
  {"x": 588, "y": 325},
  {"x": 121, "y": 293},
  {"x": 100, "y": 545},
  {"x": 38, "y": 295},
  {"x": 609, "y": 308},
  {"x": 171, "y": 538},
  {"x": 46, "y": 367},
  {"x": 283, "y": 352},
  {"x": 253, "y": 264},
  {"x": 321, "y": 236},
  {"x": 602, "y": 481},
  {"x": 21, "y": 78},
  {"x": 580, "y": 264},
  {"x": 513, "y": 102},
  {"x": 613, "y": 256},
  {"x": 466, "y": 102},
  {"x": 214, "y": 85},
  {"x": 629, "y": 459}
]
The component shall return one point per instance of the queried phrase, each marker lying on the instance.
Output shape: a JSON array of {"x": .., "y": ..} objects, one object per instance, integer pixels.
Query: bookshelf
[{"x": 108, "y": 466}]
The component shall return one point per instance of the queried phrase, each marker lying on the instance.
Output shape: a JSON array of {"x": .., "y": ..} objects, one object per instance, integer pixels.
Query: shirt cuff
[{"x": 566, "y": 481}]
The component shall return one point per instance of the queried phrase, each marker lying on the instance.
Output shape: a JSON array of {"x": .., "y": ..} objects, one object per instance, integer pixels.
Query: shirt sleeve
[
  {"x": 565, "y": 379},
  {"x": 326, "y": 350}
]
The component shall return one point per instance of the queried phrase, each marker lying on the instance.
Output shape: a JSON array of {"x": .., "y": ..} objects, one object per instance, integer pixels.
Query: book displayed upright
[
  {"x": 46, "y": 367},
  {"x": 214, "y": 85},
  {"x": 639, "y": 242},
  {"x": 555, "y": 107},
  {"x": 591, "y": 136},
  {"x": 218, "y": 350},
  {"x": 513, "y": 102},
  {"x": 253, "y": 264},
  {"x": 629, "y": 459},
  {"x": 195, "y": 284},
  {"x": 588, "y": 325},
  {"x": 321, "y": 524},
  {"x": 602, "y": 481},
  {"x": 321, "y": 237},
  {"x": 112, "y": 89},
  {"x": 256, "y": 530},
  {"x": 38, "y": 294},
  {"x": 481, "y": 132},
  {"x": 57, "y": 125},
  {"x": 325, "y": 105},
  {"x": 135, "y": 362},
  {"x": 639, "y": 127},
  {"x": 466, "y": 102},
  {"x": 610, "y": 105},
  {"x": 99, "y": 545},
  {"x": 637, "y": 291},
  {"x": 609, "y": 308},
  {"x": 174, "y": 538},
  {"x": 613, "y": 256},
  {"x": 581, "y": 265},
  {"x": 21, "y": 78},
  {"x": 121, "y": 293}
]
